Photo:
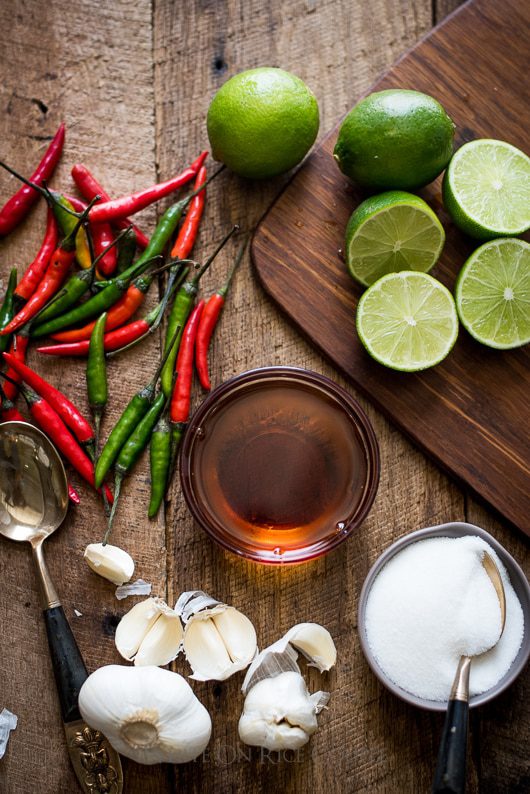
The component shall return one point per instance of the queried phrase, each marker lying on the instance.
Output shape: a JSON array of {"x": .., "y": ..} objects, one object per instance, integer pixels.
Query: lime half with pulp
[
  {"x": 493, "y": 293},
  {"x": 407, "y": 321},
  {"x": 391, "y": 232},
  {"x": 486, "y": 189}
]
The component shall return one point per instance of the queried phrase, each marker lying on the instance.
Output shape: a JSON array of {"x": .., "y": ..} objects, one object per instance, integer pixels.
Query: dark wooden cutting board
[{"x": 471, "y": 413}]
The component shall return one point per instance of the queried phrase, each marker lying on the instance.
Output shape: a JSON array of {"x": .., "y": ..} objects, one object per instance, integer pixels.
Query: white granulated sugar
[{"x": 434, "y": 602}]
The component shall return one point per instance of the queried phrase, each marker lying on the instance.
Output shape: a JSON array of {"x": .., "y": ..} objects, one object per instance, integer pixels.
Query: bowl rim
[
  {"x": 309, "y": 378},
  {"x": 451, "y": 529}
]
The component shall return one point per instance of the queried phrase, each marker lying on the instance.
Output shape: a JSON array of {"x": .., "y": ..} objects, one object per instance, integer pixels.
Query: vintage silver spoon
[
  {"x": 33, "y": 504},
  {"x": 450, "y": 775}
]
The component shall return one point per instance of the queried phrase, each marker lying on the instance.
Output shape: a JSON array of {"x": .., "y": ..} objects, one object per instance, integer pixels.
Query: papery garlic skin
[
  {"x": 149, "y": 715},
  {"x": 111, "y": 562},
  {"x": 279, "y": 713},
  {"x": 150, "y": 633}
]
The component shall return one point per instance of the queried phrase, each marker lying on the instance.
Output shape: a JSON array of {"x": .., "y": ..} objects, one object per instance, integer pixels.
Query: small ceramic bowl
[
  {"x": 279, "y": 465},
  {"x": 519, "y": 583}
]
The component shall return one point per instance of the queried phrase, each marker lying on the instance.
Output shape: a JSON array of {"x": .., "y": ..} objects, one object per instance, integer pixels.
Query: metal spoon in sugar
[{"x": 450, "y": 775}]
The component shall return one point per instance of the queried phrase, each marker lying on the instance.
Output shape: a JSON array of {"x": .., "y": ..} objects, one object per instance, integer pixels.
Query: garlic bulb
[
  {"x": 279, "y": 713},
  {"x": 111, "y": 562},
  {"x": 218, "y": 639},
  {"x": 150, "y": 633},
  {"x": 147, "y": 714}
]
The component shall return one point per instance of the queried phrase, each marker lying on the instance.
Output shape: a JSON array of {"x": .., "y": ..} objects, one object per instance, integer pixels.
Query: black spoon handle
[
  {"x": 450, "y": 775},
  {"x": 68, "y": 666}
]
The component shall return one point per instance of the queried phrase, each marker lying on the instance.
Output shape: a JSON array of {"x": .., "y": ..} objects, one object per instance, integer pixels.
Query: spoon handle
[
  {"x": 68, "y": 666},
  {"x": 450, "y": 775}
]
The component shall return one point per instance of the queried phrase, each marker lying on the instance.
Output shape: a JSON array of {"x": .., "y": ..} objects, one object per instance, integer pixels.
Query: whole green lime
[
  {"x": 395, "y": 139},
  {"x": 262, "y": 122}
]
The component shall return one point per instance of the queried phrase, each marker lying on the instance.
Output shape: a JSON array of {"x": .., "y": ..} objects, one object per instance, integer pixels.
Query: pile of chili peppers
[{"x": 82, "y": 290}]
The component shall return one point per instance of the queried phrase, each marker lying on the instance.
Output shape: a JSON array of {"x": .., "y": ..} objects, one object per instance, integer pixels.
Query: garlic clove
[
  {"x": 279, "y": 713},
  {"x": 206, "y": 652},
  {"x": 111, "y": 562},
  {"x": 163, "y": 641},
  {"x": 238, "y": 634},
  {"x": 218, "y": 639},
  {"x": 147, "y": 714},
  {"x": 135, "y": 624},
  {"x": 316, "y": 644}
]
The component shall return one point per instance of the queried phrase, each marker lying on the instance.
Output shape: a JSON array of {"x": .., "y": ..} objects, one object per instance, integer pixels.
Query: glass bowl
[
  {"x": 455, "y": 529},
  {"x": 279, "y": 465}
]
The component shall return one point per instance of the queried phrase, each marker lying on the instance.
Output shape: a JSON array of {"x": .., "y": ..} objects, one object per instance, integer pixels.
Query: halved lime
[
  {"x": 486, "y": 189},
  {"x": 407, "y": 321},
  {"x": 390, "y": 232},
  {"x": 493, "y": 293}
]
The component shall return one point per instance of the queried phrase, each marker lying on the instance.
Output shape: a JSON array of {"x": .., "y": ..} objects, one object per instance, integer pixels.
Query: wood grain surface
[
  {"x": 133, "y": 82},
  {"x": 467, "y": 413}
]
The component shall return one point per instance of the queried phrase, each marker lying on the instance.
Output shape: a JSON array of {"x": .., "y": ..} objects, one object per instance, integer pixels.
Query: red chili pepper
[
  {"x": 122, "y": 311},
  {"x": 90, "y": 187},
  {"x": 52, "y": 424},
  {"x": 102, "y": 236},
  {"x": 129, "y": 205},
  {"x": 118, "y": 339},
  {"x": 18, "y": 206},
  {"x": 181, "y": 397},
  {"x": 8, "y": 411},
  {"x": 188, "y": 232},
  {"x": 55, "y": 274},
  {"x": 73, "y": 495},
  {"x": 77, "y": 204},
  {"x": 18, "y": 349},
  {"x": 34, "y": 273},
  {"x": 112, "y": 341},
  {"x": 208, "y": 322},
  {"x": 67, "y": 410}
]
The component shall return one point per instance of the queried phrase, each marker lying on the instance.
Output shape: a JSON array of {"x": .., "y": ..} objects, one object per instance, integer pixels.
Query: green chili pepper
[
  {"x": 132, "y": 449},
  {"x": 96, "y": 374},
  {"x": 133, "y": 413},
  {"x": 7, "y": 310},
  {"x": 126, "y": 250},
  {"x": 115, "y": 288},
  {"x": 160, "y": 456},
  {"x": 180, "y": 312},
  {"x": 73, "y": 290}
]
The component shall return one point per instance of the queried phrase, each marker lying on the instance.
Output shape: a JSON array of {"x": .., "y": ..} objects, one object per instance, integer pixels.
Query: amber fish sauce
[{"x": 278, "y": 466}]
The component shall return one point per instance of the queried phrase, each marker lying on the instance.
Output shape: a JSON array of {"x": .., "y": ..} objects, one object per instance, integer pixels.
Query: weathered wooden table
[{"x": 133, "y": 82}]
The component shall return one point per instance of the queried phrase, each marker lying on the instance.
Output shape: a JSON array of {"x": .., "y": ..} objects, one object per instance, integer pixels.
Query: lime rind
[
  {"x": 391, "y": 232},
  {"x": 493, "y": 294},
  {"x": 486, "y": 189},
  {"x": 407, "y": 321}
]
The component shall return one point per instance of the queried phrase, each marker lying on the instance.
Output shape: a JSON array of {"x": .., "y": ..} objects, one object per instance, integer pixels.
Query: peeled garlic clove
[
  {"x": 147, "y": 714},
  {"x": 238, "y": 634},
  {"x": 162, "y": 642},
  {"x": 135, "y": 624},
  {"x": 315, "y": 642},
  {"x": 111, "y": 562},
  {"x": 206, "y": 652},
  {"x": 279, "y": 713}
]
